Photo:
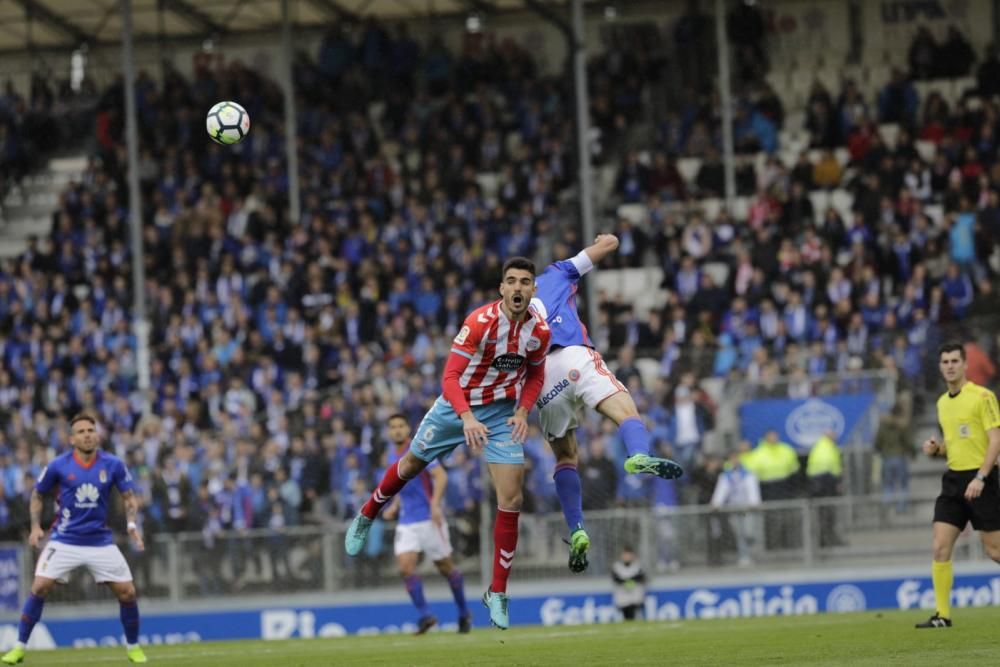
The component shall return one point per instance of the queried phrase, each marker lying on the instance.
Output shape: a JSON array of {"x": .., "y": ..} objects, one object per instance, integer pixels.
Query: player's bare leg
[
  {"x": 571, "y": 498},
  {"x": 991, "y": 543},
  {"x": 30, "y": 615},
  {"x": 620, "y": 408},
  {"x": 395, "y": 478},
  {"x": 407, "y": 564},
  {"x": 945, "y": 536},
  {"x": 508, "y": 480},
  {"x": 446, "y": 566}
]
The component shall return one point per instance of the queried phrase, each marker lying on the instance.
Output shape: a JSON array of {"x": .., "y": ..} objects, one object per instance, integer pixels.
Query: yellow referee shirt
[{"x": 965, "y": 418}]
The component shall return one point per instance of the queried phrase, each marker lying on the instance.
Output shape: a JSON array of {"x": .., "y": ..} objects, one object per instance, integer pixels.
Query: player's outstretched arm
[
  {"x": 131, "y": 515},
  {"x": 35, "y": 510},
  {"x": 603, "y": 245}
]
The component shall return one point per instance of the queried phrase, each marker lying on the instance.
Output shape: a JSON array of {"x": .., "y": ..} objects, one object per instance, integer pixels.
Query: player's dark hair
[
  {"x": 398, "y": 415},
  {"x": 522, "y": 263},
  {"x": 82, "y": 417},
  {"x": 952, "y": 346}
]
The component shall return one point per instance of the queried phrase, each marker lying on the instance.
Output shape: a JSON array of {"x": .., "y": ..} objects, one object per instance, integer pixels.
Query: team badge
[
  {"x": 103, "y": 477},
  {"x": 533, "y": 344},
  {"x": 964, "y": 431},
  {"x": 462, "y": 335},
  {"x": 573, "y": 375}
]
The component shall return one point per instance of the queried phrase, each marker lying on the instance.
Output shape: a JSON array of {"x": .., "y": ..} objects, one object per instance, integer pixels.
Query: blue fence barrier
[{"x": 662, "y": 604}]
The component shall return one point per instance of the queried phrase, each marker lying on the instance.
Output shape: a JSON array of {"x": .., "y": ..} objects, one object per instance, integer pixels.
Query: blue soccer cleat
[
  {"x": 497, "y": 603},
  {"x": 354, "y": 540}
]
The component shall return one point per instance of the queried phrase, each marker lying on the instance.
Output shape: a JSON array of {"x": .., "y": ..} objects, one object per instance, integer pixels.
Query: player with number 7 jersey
[
  {"x": 492, "y": 379},
  {"x": 83, "y": 480}
]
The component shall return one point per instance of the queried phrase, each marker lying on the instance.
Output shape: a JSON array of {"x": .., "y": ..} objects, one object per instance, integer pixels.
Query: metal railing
[{"x": 800, "y": 533}]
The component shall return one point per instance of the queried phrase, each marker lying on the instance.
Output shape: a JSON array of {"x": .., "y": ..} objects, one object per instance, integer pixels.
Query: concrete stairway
[{"x": 28, "y": 207}]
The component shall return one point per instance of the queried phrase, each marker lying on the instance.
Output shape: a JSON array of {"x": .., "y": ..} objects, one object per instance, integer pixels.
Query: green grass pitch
[{"x": 870, "y": 638}]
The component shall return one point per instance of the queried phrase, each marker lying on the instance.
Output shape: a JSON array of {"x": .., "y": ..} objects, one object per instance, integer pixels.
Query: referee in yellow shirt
[{"x": 970, "y": 491}]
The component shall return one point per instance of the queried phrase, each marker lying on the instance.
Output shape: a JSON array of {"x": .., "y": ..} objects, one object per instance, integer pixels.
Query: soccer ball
[{"x": 227, "y": 123}]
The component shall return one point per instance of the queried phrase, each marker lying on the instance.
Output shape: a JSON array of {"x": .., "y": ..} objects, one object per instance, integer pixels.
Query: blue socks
[
  {"x": 415, "y": 587},
  {"x": 570, "y": 496},
  {"x": 129, "y": 614},
  {"x": 635, "y": 435},
  {"x": 457, "y": 584},
  {"x": 29, "y": 616}
]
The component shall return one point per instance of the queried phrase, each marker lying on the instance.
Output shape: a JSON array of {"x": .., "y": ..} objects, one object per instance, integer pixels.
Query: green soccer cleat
[
  {"x": 13, "y": 656},
  {"x": 651, "y": 465},
  {"x": 497, "y": 603},
  {"x": 136, "y": 655},
  {"x": 354, "y": 541},
  {"x": 579, "y": 543}
]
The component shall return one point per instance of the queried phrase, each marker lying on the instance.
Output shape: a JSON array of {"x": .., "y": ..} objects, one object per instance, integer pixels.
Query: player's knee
[
  {"x": 127, "y": 594},
  {"x": 445, "y": 567},
  {"x": 942, "y": 552},
  {"x": 410, "y": 466},
  {"x": 512, "y": 501},
  {"x": 40, "y": 590}
]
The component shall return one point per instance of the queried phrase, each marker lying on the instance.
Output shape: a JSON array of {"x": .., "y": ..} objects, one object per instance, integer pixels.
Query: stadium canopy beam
[
  {"x": 140, "y": 323},
  {"x": 332, "y": 8},
  {"x": 39, "y": 11},
  {"x": 480, "y": 6},
  {"x": 194, "y": 16},
  {"x": 726, "y": 100}
]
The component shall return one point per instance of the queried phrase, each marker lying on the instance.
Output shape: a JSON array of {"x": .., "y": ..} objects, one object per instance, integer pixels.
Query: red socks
[
  {"x": 390, "y": 485},
  {"x": 504, "y": 545}
]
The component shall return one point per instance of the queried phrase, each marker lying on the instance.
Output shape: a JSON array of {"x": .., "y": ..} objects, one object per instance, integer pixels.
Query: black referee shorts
[{"x": 952, "y": 507}]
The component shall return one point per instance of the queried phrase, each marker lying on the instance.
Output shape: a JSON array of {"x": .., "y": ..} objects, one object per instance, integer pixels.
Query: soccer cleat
[
  {"x": 935, "y": 621},
  {"x": 497, "y": 603},
  {"x": 465, "y": 623},
  {"x": 426, "y": 623},
  {"x": 643, "y": 463},
  {"x": 579, "y": 543},
  {"x": 13, "y": 656},
  {"x": 356, "y": 535}
]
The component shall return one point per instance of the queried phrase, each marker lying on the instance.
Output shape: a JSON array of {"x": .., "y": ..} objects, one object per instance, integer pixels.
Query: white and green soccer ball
[{"x": 227, "y": 123}]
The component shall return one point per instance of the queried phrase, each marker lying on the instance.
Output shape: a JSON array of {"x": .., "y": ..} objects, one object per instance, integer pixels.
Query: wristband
[
  {"x": 981, "y": 477},
  {"x": 131, "y": 525}
]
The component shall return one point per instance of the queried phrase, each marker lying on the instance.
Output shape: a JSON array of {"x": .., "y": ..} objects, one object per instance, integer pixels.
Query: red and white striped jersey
[{"x": 499, "y": 352}]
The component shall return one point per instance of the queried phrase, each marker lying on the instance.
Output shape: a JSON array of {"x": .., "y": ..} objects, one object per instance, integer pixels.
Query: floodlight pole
[
  {"x": 291, "y": 122},
  {"x": 726, "y": 100},
  {"x": 140, "y": 323},
  {"x": 586, "y": 175}
]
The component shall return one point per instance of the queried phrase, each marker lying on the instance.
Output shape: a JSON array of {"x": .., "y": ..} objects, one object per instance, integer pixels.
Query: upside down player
[
  {"x": 575, "y": 375},
  {"x": 492, "y": 379},
  {"x": 83, "y": 479},
  {"x": 422, "y": 528},
  {"x": 970, "y": 423}
]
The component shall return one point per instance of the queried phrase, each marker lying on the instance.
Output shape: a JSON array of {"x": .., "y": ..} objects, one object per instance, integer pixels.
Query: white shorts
[
  {"x": 574, "y": 377},
  {"x": 423, "y": 536},
  {"x": 105, "y": 563}
]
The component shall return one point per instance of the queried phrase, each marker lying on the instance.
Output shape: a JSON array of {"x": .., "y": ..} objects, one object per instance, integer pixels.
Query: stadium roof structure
[{"x": 66, "y": 24}]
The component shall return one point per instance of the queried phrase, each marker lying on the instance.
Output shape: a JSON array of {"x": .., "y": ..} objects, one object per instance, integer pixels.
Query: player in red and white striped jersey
[{"x": 492, "y": 379}]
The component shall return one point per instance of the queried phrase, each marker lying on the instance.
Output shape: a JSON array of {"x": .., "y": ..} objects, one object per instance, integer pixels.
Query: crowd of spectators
[{"x": 279, "y": 346}]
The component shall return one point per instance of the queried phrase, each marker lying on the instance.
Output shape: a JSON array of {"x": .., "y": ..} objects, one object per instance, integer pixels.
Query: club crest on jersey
[
  {"x": 86, "y": 495},
  {"x": 462, "y": 335},
  {"x": 103, "y": 477},
  {"x": 533, "y": 344},
  {"x": 508, "y": 362},
  {"x": 573, "y": 375}
]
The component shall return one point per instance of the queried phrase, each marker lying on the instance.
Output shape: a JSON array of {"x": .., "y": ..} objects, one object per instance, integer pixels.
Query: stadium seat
[
  {"x": 718, "y": 270},
  {"x": 926, "y": 149},
  {"x": 637, "y": 214},
  {"x": 842, "y": 201},
  {"x": 688, "y": 168},
  {"x": 889, "y": 133}
]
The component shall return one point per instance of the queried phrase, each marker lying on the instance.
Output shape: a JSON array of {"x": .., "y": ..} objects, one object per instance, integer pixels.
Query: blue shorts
[{"x": 440, "y": 432}]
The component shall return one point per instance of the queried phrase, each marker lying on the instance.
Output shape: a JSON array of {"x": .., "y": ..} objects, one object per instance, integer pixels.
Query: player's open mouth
[{"x": 518, "y": 299}]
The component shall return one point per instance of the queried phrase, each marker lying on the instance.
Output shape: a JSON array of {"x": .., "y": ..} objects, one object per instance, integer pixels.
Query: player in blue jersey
[
  {"x": 575, "y": 375},
  {"x": 423, "y": 528},
  {"x": 82, "y": 480}
]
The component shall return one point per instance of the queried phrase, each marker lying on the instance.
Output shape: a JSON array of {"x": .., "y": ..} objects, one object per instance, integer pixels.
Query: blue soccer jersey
[
  {"x": 82, "y": 493},
  {"x": 415, "y": 498},
  {"x": 555, "y": 300}
]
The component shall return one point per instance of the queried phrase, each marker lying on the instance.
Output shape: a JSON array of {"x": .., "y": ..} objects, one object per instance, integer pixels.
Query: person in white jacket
[{"x": 738, "y": 487}]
